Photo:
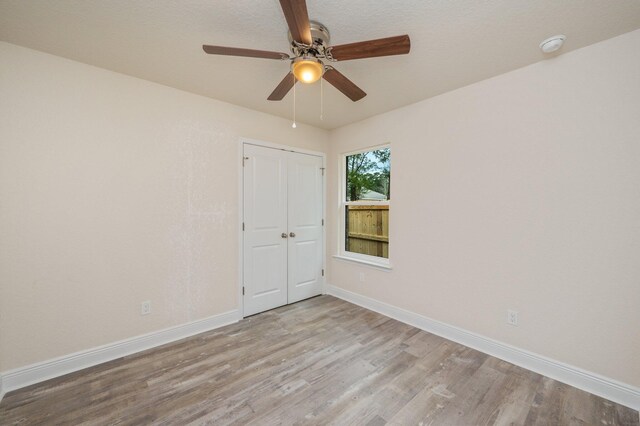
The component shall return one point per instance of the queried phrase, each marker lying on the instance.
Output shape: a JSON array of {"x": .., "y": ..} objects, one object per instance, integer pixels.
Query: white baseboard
[
  {"x": 605, "y": 387},
  {"x": 35, "y": 373}
]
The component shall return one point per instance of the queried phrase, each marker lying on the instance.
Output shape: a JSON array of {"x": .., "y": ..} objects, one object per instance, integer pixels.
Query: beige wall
[
  {"x": 114, "y": 190},
  {"x": 517, "y": 192},
  {"x": 523, "y": 192}
]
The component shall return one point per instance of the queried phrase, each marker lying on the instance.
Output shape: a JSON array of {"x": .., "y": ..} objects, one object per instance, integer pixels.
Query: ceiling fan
[{"x": 310, "y": 47}]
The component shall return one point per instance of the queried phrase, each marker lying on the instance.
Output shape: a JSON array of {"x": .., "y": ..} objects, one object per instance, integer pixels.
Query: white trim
[
  {"x": 596, "y": 384},
  {"x": 325, "y": 225},
  {"x": 366, "y": 259},
  {"x": 281, "y": 147},
  {"x": 384, "y": 266},
  {"x": 240, "y": 229},
  {"x": 367, "y": 149},
  {"x": 35, "y": 373}
]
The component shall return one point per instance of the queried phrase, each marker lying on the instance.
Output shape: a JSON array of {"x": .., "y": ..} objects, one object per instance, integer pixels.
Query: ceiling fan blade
[
  {"x": 295, "y": 12},
  {"x": 283, "y": 88},
  {"x": 398, "y": 45},
  {"x": 343, "y": 84},
  {"x": 250, "y": 53}
]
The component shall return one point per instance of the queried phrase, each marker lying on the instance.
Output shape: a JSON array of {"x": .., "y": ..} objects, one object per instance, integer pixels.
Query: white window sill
[{"x": 382, "y": 266}]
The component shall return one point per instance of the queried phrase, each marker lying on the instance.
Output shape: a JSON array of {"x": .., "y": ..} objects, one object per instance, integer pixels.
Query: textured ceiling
[{"x": 454, "y": 43}]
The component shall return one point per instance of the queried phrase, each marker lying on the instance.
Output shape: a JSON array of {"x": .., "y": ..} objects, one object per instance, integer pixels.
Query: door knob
[
  {"x": 283, "y": 235},
  {"x": 292, "y": 234}
]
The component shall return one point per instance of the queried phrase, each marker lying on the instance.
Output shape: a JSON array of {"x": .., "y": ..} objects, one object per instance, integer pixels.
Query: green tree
[
  {"x": 383, "y": 156},
  {"x": 359, "y": 175},
  {"x": 368, "y": 171}
]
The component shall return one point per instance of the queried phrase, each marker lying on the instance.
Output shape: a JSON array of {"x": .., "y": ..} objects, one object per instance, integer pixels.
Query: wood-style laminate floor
[{"x": 321, "y": 361}]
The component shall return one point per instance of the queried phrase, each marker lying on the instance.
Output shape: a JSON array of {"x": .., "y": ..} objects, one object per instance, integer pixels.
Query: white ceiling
[{"x": 453, "y": 44}]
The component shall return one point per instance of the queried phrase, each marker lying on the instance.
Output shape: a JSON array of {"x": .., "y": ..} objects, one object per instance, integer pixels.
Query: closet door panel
[
  {"x": 265, "y": 220},
  {"x": 305, "y": 195}
]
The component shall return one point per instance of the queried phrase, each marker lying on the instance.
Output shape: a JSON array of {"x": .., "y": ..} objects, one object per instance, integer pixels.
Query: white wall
[
  {"x": 523, "y": 192},
  {"x": 114, "y": 190}
]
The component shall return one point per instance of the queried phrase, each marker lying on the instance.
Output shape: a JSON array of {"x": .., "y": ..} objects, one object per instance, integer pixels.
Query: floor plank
[{"x": 321, "y": 361}]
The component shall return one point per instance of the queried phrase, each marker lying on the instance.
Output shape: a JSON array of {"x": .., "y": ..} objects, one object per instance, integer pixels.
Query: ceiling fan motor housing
[{"x": 320, "y": 39}]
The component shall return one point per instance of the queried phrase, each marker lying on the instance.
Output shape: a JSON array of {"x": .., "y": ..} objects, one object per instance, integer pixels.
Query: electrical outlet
[
  {"x": 361, "y": 277},
  {"x": 512, "y": 317},
  {"x": 145, "y": 308}
]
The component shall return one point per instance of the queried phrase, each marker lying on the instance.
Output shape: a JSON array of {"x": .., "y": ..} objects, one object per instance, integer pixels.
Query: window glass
[
  {"x": 368, "y": 175},
  {"x": 367, "y": 230}
]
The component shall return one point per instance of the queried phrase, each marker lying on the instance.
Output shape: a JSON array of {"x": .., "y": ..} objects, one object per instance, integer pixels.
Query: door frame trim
[{"x": 247, "y": 141}]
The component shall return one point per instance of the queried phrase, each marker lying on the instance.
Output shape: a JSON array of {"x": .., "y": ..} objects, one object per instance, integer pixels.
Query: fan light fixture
[
  {"x": 307, "y": 69},
  {"x": 310, "y": 45}
]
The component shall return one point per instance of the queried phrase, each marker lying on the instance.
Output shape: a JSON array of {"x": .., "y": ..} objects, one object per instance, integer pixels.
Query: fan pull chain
[
  {"x": 294, "y": 103},
  {"x": 321, "y": 101}
]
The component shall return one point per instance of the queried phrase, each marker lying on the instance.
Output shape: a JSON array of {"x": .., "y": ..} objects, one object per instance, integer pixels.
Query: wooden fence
[{"x": 368, "y": 230}]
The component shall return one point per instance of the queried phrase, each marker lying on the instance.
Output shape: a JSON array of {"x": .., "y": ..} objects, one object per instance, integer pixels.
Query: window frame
[{"x": 343, "y": 203}]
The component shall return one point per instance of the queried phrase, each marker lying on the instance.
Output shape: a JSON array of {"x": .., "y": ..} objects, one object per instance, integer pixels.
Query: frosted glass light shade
[{"x": 307, "y": 70}]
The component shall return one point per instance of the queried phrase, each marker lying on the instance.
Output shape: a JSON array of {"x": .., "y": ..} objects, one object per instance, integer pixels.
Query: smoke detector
[{"x": 552, "y": 43}]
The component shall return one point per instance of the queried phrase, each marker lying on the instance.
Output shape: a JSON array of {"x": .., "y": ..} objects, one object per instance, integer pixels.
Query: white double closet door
[{"x": 282, "y": 237}]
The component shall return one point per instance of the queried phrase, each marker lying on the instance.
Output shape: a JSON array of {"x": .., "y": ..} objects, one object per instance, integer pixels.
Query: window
[{"x": 365, "y": 205}]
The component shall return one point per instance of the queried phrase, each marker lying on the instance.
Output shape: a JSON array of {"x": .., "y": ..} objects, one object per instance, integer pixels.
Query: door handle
[
  {"x": 292, "y": 234},
  {"x": 283, "y": 235}
]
